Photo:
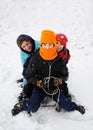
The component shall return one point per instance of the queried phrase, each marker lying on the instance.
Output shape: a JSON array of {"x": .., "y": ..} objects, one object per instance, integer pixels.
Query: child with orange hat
[{"x": 46, "y": 72}]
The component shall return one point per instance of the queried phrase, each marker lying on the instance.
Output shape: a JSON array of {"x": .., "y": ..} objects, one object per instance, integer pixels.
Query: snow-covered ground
[{"x": 75, "y": 19}]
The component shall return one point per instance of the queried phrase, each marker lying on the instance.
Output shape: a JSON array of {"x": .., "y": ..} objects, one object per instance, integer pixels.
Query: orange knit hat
[{"x": 48, "y": 36}]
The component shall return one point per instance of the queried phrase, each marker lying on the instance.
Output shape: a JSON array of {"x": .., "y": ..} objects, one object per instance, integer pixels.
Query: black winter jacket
[{"x": 36, "y": 68}]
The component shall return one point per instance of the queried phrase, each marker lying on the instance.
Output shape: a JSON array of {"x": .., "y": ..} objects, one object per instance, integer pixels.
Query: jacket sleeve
[
  {"x": 24, "y": 57},
  {"x": 65, "y": 72},
  {"x": 25, "y": 66},
  {"x": 29, "y": 71},
  {"x": 69, "y": 56}
]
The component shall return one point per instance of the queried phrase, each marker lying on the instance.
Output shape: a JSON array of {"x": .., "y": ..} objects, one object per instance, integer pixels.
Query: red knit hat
[{"x": 62, "y": 38}]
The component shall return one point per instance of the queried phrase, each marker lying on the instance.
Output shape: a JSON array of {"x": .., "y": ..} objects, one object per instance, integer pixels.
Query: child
[
  {"x": 27, "y": 46},
  {"x": 61, "y": 42}
]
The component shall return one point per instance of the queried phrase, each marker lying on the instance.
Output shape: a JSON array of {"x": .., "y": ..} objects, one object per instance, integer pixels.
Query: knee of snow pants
[
  {"x": 65, "y": 103},
  {"x": 33, "y": 104}
]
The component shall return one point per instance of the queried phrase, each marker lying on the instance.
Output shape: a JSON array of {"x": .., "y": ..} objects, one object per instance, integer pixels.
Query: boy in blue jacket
[{"x": 27, "y": 46}]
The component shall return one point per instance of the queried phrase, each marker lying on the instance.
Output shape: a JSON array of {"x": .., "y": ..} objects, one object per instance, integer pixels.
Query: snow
[{"x": 71, "y": 17}]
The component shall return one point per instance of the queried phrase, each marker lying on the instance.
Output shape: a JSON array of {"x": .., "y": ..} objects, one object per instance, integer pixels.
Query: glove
[
  {"x": 28, "y": 88},
  {"x": 19, "y": 80},
  {"x": 57, "y": 81},
  {"x": 40, "y": 83}
]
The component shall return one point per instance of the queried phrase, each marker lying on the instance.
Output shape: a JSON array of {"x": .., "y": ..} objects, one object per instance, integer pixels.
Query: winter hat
[
  {"x": 48, "y": 36},
  {"x": 62, "y": 38},
  {"x": 24, "y": 37}
]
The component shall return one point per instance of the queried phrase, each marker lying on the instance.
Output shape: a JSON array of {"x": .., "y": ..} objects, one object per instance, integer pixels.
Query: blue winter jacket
[{"x": 25, "y": 55}]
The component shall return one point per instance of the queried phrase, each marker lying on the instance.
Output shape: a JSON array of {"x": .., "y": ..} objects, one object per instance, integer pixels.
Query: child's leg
[
  {"x": 65, "y": 103},
  {"x": 34, "y": 102}
]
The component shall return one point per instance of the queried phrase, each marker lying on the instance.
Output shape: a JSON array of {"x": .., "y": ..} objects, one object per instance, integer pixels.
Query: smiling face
[{"x": 27, "y": 46}]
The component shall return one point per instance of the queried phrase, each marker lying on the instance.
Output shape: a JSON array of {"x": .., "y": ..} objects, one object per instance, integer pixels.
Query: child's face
[
  {"x": 47, "y": 45},
  {"x": 59, "y": 46},
  {"x": 27, "y": 46}
]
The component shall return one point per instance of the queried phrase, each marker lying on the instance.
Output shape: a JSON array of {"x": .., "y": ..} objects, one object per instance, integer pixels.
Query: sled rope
[
  {"x": 46, "y": 81},
  {"x": 57, "y": 90}
]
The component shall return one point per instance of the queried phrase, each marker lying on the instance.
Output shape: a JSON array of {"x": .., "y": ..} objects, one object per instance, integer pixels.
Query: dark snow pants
[{"x": 33, "y": 104}]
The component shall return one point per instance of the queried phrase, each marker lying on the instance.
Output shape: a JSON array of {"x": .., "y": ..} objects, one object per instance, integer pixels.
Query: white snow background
[{"x": 71, "y": 17}]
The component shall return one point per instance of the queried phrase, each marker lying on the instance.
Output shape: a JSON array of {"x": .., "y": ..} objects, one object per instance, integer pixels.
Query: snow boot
[
  {"x": 81, "y": 109},
  {"x": 17, "y": 108},
  {"x": 58, "y": 108}
]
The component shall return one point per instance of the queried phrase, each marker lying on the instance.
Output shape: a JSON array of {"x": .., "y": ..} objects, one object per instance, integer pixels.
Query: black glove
[
  {"x": 40, "y": 83},
  {"x": 19, "y": 80},
  {"x": 28, "y": 88}
]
